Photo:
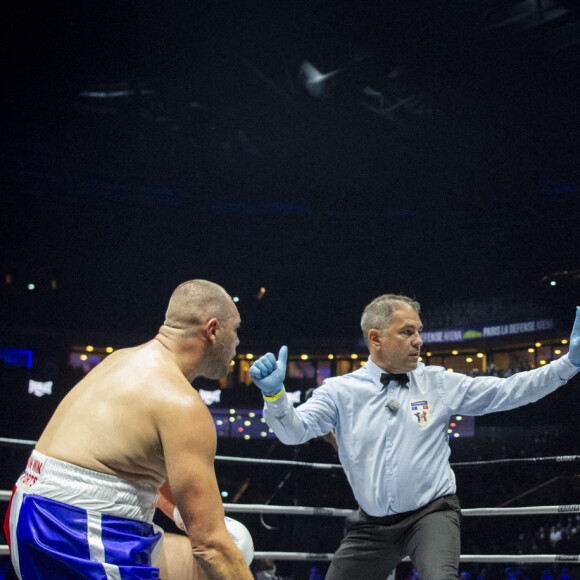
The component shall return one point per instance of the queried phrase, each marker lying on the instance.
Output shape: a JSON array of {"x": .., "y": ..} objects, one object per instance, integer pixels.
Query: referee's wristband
[{"x": 274, "y": 396}]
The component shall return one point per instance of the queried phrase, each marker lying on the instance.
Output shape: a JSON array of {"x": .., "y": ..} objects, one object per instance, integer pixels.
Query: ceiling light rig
[{"x": 386, "y": 96}]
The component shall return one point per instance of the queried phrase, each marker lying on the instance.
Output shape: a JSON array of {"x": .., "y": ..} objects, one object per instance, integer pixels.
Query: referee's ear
[{"x": 374, "y": 338}]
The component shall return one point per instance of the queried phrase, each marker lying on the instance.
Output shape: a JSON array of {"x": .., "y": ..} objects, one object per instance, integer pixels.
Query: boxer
[{"x": 133, "y": 425}]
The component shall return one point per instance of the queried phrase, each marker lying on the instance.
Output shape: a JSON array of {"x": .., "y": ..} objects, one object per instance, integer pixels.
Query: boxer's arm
[
  {"x": 165, "y": 501},
  {"x": 166, "y": 504},
  {"x": 238, "y": 532},
  {"x": 189, "y": 442}
]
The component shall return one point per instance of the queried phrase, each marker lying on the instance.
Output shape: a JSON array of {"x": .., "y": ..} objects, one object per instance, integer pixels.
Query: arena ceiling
[{"x": 326, "y": 150}]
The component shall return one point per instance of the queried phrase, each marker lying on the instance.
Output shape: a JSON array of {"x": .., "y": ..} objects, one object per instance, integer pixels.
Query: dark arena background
[{"x": 308, "y": 156}]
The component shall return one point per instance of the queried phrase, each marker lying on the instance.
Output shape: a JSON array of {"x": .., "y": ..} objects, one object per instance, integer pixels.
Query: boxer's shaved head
[
  {"x": 193, "y": 302},
  {"x": 199, "y": 304}
]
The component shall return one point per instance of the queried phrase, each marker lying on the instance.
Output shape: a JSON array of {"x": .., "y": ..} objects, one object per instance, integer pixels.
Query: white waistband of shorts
[{"x": 87, "y": 489}]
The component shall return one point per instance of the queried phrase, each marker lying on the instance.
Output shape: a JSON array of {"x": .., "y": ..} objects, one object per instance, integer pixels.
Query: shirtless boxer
[{"x": 83, "y": 509}]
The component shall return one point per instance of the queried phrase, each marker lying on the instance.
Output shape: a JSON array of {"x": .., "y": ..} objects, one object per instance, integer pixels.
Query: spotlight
[{"x": 317, "y": 84}]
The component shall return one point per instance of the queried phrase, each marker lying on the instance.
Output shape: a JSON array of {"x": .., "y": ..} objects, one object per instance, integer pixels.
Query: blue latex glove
[
  {"x": 574, "y": 350},
  {"x": 268, "y": 373}
]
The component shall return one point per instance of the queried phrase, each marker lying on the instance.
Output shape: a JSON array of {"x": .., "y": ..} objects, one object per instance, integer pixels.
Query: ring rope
[
  {"x": 553, "y": 459},
  {"x": 279, "y": 462},
  {"x": 342, "y": 513},
  {"x": 532, "y": 510},
  {"x": 286, "y": 510},
  {"x": 8, "y": 441},
  {"x": 520, "y": 558},
  {"x": 328, "y": 511},
  {"x": 532, "y": 558}
]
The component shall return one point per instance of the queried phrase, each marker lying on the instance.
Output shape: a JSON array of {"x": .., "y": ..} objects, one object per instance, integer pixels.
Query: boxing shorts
[{"x": 72, "y": 523}]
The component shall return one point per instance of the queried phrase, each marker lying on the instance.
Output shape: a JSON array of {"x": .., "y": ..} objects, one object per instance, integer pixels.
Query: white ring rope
[
  {"x": 27, "y": 442},
  {"x": 279, "y": 462},
  {"x": 523, "y": 511},
  {"x": 553, "y": 459},
  {"x": 328, "y": 511},
  {"x": 342, "y": 513},
  {"x": 286, "y": 510},
  {"x": 493, "y": 558}
]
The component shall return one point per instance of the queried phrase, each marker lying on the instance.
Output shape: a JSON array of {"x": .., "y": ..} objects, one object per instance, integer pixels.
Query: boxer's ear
[{"x": 211, "y": 330}]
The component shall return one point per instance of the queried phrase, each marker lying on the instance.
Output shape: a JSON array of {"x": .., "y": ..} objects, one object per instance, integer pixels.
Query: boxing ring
[{"x": 233, "y": 508}]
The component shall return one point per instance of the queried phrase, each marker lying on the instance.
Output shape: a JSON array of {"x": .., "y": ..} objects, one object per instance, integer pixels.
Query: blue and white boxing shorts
[{"x": 71, "y": 523}]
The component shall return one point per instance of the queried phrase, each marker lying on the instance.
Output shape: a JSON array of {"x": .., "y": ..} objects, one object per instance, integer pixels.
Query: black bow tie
[{"x": 402, "y": 378}]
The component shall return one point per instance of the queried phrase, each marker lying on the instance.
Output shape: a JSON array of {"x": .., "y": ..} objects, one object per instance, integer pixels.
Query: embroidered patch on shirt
[{"x": 420, "y": 412}]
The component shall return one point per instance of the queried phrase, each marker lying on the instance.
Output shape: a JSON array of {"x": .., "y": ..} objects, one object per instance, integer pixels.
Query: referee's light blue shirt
[{"x": 398, "y": 462}]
